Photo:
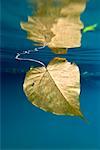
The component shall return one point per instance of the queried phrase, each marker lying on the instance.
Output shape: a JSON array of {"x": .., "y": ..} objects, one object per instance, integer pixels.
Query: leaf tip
[{"x": 84, "y": 118}]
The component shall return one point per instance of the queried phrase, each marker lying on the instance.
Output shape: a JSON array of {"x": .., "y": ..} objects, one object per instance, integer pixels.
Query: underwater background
[{"x": 23, "y": 126}]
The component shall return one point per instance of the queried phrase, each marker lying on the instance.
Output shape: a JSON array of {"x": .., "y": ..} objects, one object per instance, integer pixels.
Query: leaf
[
  {"x": 56, "y": 88},
  {"x": 56, "y": 24},
  {"x": 38, "y": 30},
  {"x": 90, "y": 28},
  {"x": 59, "y": 50}
]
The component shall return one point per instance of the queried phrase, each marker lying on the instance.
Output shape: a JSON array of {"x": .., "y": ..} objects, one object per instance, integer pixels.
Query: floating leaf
[
  {"x": 54, "y": 88},
  {"x": 56, "y": 24},
  {"x": 90, "y": 28},
  {"x": 59, "y": 50}
]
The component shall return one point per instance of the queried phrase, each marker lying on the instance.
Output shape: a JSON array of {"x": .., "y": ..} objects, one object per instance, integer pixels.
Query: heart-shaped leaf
[{"x": 54, "y": 88}]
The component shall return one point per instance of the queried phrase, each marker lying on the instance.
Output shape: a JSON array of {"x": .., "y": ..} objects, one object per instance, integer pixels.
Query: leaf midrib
[{"x": 62, "y": 93}]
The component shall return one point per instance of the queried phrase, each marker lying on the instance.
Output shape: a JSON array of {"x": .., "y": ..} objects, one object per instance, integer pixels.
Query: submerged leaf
[{"x": 56, "y": 88}]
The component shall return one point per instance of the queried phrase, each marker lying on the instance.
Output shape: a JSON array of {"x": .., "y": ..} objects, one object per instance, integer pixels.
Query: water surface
[{"x": 23, "y": 125}]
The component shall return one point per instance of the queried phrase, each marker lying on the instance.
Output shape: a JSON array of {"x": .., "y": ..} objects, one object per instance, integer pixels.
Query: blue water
[{"x": 23, "y": 126}]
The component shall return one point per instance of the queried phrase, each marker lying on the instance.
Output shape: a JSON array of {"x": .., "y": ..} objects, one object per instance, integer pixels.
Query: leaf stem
[{"x": 29, "y": 59}]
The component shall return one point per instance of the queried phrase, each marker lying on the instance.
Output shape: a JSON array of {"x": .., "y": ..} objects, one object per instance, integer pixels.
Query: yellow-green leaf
[
  {"x": 90, "y": 28},
  {"x": 55, "y": 88}
]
